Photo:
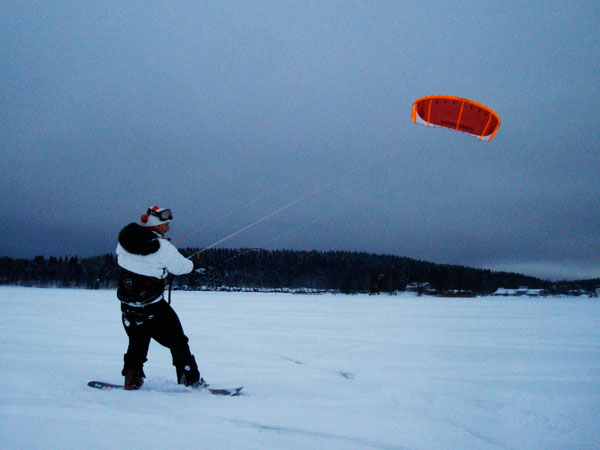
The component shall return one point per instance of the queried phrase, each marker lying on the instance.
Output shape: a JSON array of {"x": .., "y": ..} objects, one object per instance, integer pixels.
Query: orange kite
[{"x": 458, "y": 114}]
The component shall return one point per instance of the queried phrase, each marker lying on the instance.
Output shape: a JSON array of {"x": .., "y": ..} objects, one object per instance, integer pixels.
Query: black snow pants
[{"x": 156, "y": 321}]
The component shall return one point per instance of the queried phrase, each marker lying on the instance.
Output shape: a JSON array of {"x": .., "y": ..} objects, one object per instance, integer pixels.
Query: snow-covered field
[{"x": 320, "y": 372}]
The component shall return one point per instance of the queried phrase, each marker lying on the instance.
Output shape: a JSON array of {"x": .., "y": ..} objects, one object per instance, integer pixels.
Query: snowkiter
[{"x": 146, "y": 258}]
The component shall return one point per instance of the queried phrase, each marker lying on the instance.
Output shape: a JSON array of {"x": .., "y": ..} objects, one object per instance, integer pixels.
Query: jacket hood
[{"x": 138, "y": 240}]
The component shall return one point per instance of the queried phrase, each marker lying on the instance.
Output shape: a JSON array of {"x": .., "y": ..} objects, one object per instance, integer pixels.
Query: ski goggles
[{"x": 163, "y": 215}]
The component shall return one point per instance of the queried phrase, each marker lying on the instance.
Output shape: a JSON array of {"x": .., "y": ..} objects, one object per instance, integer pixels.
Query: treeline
[
  {"x": 68, "y": 272},
  {"x": 339, "y": 271},
  {"x": 345, "y": 272}
]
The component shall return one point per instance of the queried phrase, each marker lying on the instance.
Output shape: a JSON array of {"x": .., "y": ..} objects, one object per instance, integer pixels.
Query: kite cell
[{"x": 458, "y": 114}]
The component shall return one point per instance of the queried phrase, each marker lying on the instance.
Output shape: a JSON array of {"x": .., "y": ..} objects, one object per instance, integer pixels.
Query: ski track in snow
[
  {"x": 342, "y": 373},
  {"x": 362, "y": 443},
  {"x": 327, "y": 371}
]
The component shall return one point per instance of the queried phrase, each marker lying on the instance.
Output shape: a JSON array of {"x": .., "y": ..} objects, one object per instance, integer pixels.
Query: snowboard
[{"x": 214, "y": 391}]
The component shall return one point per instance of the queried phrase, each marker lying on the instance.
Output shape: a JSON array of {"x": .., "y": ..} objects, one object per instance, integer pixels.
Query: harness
[{"x": 139, "y": 290}]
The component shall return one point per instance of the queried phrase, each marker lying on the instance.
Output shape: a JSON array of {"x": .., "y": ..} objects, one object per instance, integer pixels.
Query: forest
[{"x": 289, "y": 270}]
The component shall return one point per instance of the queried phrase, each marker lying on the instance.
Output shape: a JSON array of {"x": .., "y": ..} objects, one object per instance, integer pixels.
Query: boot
[
  {"x": 188, "y": 374},
  {"x": 134, "y": 378}
]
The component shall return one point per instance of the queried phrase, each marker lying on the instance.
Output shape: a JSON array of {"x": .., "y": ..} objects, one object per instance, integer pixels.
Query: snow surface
[{"x": 320, "y": 372}]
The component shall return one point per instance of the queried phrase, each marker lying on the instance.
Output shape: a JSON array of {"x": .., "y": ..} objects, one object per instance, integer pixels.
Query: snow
[{"x": 320, "y": 371}]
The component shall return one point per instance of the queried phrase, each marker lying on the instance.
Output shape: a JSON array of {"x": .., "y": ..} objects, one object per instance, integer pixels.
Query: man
[{"x": 146, "y": 258}]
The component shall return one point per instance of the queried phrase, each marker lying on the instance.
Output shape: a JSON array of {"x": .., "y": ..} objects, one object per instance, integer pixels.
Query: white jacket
[{"x": 166, "y": 259}]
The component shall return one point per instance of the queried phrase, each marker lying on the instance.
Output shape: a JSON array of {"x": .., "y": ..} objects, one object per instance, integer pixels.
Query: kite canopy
[{"x": 458, "y": 114}]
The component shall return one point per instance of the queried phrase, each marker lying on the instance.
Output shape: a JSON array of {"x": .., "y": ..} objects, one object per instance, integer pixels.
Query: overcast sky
[{"x": 229, "y": 111}]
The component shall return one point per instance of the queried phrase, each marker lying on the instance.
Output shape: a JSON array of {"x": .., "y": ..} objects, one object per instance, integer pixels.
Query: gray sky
[{"x": 227, "y": 111}]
